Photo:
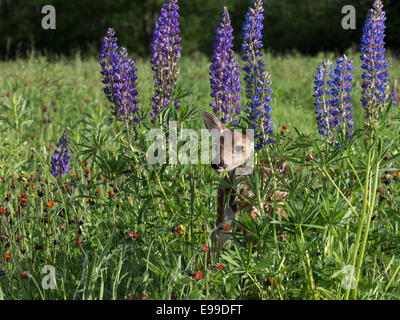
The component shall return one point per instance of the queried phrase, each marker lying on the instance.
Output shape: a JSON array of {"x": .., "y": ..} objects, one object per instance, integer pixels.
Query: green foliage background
[{"x": 307, "y": 26}]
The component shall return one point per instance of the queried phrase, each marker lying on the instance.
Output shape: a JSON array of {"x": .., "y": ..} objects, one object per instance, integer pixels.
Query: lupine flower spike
[
  {"x": 225, "y": 74},
  {"x": 333, "y": 99},
  {"x": 375, "y": 76},
  {"x": 341, "y": 97},
  {"x": 165, "y": 53},
  {"x": 258, "y": 91},
  {"x": 60, "y": 160},
  {"x": 119, "y": 80},
  {"x": 322, "y": 98}
]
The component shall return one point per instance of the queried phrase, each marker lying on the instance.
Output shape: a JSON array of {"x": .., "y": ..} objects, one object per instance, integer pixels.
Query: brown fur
[{"x": 228, "y": 209}]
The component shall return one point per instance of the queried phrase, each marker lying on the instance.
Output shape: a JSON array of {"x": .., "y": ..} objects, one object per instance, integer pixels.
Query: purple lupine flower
[
  {"x": 252, "y": 45},
  {"x": 225, "y": 74},
  {"x": 341, "y": 97},
  {"x": 258, "y": 91},
  {"x": 119, "y": 80},
  {"x": 375, "y": 76},
  {"x": 165, "y": 53},
  {"x": 322, "y": 94},
  {"x": 60, "y": 160},
  {"x": 333, "y": 99}
]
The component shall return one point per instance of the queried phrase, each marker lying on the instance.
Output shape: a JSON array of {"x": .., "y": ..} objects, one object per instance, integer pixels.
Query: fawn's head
[{"x": 233, "y": 146}]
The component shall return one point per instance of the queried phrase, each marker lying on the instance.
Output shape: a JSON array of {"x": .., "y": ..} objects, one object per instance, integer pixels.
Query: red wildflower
[
  {"x": 78, "y": 242},
  {"x": 226, "y": 227},
  {"x": 50, "y": 204},
  {"x": 198, "y": 275},
  {"x": 219, "y": 266},
  {"x": 204, "y": 248},
  {"x": 270, "y": 281}
]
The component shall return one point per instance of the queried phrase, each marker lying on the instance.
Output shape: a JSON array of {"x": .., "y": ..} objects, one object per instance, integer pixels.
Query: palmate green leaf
[
  {"x": 230, "y": 283},
  {"x": 111, "y": 165},
  {"x": 230, "y": 260},
  {"x": 263, "y": 264}
]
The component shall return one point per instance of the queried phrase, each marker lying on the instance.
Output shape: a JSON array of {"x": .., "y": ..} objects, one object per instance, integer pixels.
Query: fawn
[{"x": 233, "y": 149}]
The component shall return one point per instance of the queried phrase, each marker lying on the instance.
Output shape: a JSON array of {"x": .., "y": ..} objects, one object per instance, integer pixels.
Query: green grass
[{"x": 122, "y": 194}]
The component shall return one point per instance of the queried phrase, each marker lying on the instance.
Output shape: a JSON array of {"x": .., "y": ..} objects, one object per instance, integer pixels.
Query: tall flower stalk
[
  {"x": 119, "y": 79},
  {"x": 375, "y": 96},
  {"x": 60, "y": 159},
  {"x": 376, "y": 75},
  {"x": 165, "y": 53},
  {"x": 258, "y": 91},
  {"x": 333, "y": 99},
  {"x": 225, "y": 74}
]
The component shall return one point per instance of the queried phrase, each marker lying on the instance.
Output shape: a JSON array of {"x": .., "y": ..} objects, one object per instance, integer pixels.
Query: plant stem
[
  {"x": 340, "y": 191},
  {"x": 365, "y": 238},
  {"x": 361, "y": 224},
  {"x": 308, "y": 269}
]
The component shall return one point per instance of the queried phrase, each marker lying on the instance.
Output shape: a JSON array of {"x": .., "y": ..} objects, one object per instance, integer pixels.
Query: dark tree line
[{"x": 308, "y": 26}]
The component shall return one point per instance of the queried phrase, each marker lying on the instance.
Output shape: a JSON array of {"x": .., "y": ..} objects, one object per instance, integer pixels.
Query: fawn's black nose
[{"x": 216, "y": 166}]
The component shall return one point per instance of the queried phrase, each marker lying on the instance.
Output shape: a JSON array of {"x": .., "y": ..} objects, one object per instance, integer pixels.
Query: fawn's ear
[{"x": 212, "y": 123}]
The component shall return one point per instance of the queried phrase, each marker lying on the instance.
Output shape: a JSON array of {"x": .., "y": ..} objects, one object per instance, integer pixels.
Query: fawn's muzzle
[{"x": 218, "y": 167}]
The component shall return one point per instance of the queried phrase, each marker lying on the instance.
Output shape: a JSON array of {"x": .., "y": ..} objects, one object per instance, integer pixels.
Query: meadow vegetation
[{"x": 116, "y": 227}]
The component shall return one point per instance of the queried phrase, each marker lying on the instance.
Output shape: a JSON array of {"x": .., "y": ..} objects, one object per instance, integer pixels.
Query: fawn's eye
[{"x": 239, "y": 149}]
